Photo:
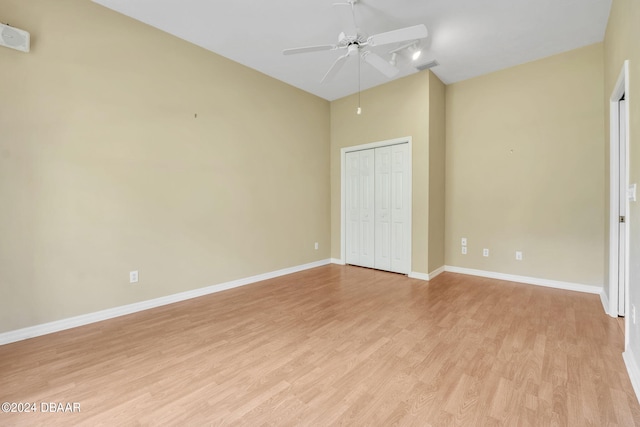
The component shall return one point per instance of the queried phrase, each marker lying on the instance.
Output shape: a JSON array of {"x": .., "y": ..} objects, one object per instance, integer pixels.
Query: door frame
[
  {"x": 621, "y": 88},
  {"x": 343, "y": 191}
]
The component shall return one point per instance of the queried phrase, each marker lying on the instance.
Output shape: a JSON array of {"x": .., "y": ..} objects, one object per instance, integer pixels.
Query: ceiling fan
[{"x": 353, "y": 41}]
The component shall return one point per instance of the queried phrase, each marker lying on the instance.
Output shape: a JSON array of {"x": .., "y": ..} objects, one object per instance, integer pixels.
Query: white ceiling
[{"x": 467, "y": 37}]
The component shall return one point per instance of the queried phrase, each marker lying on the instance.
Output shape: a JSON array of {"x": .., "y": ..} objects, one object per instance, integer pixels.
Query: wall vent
[
  {"x": 427, "y": 65},
  {"x": 14, "y": 38}
]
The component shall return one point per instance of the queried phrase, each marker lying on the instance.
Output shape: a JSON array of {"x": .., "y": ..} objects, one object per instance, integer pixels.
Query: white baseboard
[
  {"x": 605, "y": 304},
  {"x": 435, "y": 273},
  {"x": 85, "y": 319},
  {"x": 337, "y": 261},
  {"x": 569, "y": 286},
  {"x": 425, "y": 276},
  {"x": 633, "y": 371},
  {"x": 420, "y": 276}
]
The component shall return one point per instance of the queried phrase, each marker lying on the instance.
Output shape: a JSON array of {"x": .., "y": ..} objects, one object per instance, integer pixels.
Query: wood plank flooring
[{"x": 337, "y": 345}]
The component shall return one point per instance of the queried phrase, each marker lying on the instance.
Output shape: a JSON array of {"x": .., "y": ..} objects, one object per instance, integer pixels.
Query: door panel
[
  {"x": 383, "y": 208},
  {"x": 353, "y": 208},
  {"x": 367, "y": 212},
  {"x": 400, "y": 211}
]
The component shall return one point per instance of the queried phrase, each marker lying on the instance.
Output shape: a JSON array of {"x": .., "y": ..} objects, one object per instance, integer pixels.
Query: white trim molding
[
  {"x": 98, "y": 316},
  {"x": 605, "y": 303},
  {"x": 569, "y": 286},
  {"x": 419, "y": 276},
  {"x": 621, "y": 88},
  {"x": 337, "y": 261},
  {"x": 633, "y": 371},
  {"x": 435, "y": 273},
  {"x": 427, "y": 277}
]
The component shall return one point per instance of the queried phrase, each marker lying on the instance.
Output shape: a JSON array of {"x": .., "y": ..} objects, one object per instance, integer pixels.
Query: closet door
[
  {"x": 367, "y": 243},
  {"x": 383, "y": 208},
  {"x": 400, "y": 209},
  {"x": 353, "y": 208},
  {"x": 360, "y": 208},
  {"x": 378, "y": 203}
]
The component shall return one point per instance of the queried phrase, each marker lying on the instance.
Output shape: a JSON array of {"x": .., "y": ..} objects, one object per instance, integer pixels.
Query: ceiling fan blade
[
  {"x": 401, "y": 35},
  {"x": 380, "y": 64},
  {"x": 309, "y": 49},
  {"x": 334, "y": 68}
]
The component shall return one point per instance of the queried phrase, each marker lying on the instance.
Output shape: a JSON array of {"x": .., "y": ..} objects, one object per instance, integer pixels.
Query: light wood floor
[{"x": 337, "y": 345}]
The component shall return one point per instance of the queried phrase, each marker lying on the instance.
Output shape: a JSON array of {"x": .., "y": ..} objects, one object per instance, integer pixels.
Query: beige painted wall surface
[
  {"x": 396, "y": 109},
  {"x": 437, "y": 151},
  {"x": 105, "y": 169},
  {"x": 621, "y": 43},
  {"x": 525, "y": 170}
]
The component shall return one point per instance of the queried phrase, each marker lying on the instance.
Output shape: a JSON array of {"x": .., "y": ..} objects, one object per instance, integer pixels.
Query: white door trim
[
  {"x": 343, "y": 192},
  {"x": 621, "y": 88},
  {"x": 623, "y": 232}
]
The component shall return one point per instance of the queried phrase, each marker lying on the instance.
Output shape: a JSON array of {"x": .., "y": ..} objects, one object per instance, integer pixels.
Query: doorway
[
  {"x": 619, "y": 198},
  {"x": 376, "y": 202}
]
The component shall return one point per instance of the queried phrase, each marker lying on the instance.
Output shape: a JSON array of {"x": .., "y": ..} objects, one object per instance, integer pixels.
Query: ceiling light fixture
[
  {"x": 416, "y": 53},
  {"x": 394, "y": 58},
  {"x": 412, "y": 48}
]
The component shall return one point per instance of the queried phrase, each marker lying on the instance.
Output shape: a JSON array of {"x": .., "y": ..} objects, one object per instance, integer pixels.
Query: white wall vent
[
  {"x": 14, "y": 38},
  {"x": 427, "y": 65}
]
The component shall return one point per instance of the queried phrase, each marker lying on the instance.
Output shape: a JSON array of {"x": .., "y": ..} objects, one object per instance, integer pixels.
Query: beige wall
[
  {"x": 105, "y": 169},
  {"x": 621, "y": 43},
  {"x": 397, "y": 109},
  {"x": 437, "y": 151},
  {"x": 525, "y": 171}
]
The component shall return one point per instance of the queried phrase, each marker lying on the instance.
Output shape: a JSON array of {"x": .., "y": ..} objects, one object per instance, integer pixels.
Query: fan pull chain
[{"x": 359, "y": 110}]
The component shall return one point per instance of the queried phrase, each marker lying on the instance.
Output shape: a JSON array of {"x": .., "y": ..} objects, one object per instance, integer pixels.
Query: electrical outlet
[
  {"x": 485, "y": 252},
  {"x": 519, "y": 255},
  {"x": 463, "y": 241},
  {"x": 464, "y": 250},
  {"x": 316, "y": 246},
  {"x": 133, "y": 276}
]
